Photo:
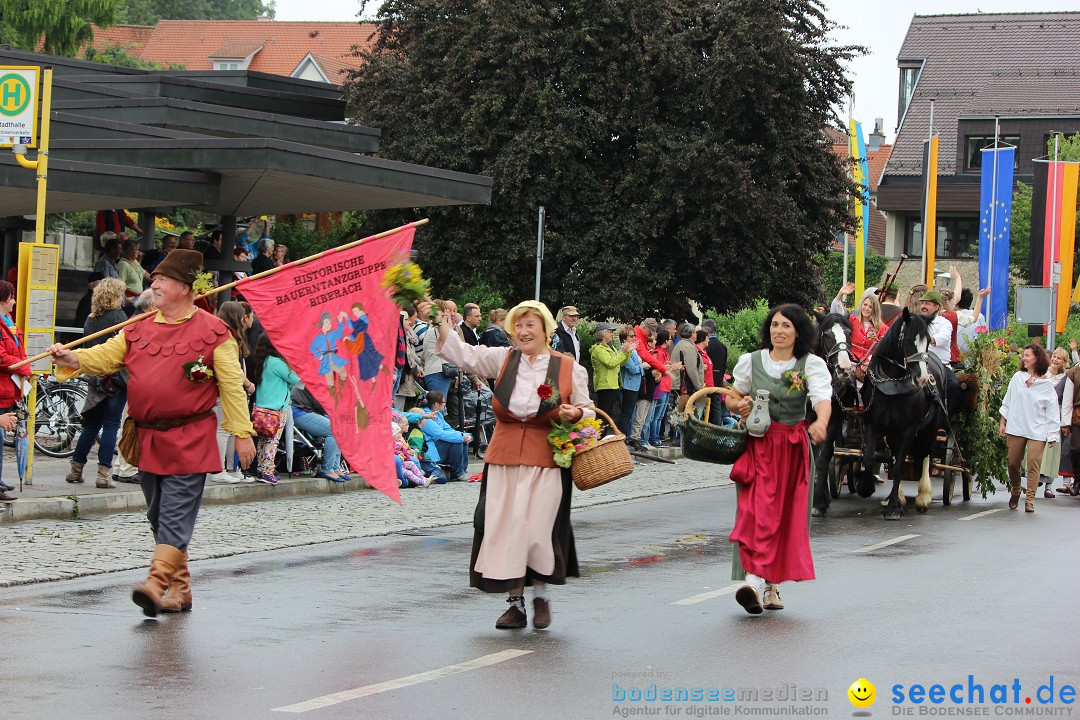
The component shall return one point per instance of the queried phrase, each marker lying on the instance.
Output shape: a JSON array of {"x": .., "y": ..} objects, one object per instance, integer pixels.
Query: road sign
[{"x": 18, "y": 105}]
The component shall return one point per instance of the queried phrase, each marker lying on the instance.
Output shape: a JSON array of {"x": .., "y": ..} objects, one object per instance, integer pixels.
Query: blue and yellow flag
[{"x": 860, "y": 170}]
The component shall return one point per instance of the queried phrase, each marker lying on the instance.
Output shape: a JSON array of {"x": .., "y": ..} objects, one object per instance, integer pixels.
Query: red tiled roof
[
  {"x": 238, "y": 48},
  {"x": 192, "y": 43},
  {"x": 126, "y": 36}
]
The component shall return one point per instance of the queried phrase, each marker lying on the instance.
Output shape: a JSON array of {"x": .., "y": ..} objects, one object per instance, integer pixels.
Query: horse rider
[{"x": 930, "y": 305}]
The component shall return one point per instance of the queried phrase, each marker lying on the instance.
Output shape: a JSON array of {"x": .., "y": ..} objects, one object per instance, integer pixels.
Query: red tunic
[
  {"x": 159, "y": 389},
  {"x": 954, "y": 348}
]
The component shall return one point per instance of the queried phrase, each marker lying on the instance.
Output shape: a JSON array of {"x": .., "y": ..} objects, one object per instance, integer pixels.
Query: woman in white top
[
  {"x": 521, "y": 527},
  {"x": 1030, "y": 419},
  {"x": 1051, "y": 463},
  {"x": 772, "y": 520}
]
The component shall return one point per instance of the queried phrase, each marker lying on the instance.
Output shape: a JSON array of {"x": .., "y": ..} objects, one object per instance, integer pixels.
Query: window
[
  {"x": 226, "y": 65},
  {"x": 957, "y": 237},
  {"x": 908, "y": 77},
  {"x": 975, "y": 145}
]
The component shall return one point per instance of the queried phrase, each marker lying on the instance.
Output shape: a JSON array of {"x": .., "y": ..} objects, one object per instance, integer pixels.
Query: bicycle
[{"x": 58, "y": 418}]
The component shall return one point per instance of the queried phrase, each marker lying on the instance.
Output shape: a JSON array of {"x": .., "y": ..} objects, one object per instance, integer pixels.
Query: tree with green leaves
[
  {"x": 60, "y": 26},
  {"x": 148, "y": 12},
  {"x": 677, "y": 145},
  {"x": 119, "y": 55}
]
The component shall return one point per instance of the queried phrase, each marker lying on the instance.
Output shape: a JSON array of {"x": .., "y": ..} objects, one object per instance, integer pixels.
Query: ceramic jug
[{"x": 758, "y": 421}]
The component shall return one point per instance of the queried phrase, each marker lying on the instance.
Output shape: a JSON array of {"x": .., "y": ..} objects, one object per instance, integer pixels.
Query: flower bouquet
[
  {"x": 407, "y": 285},
  {"x": 204, "y": 283},
  {"x": 568, "y": 438},
  {"x": 197, "y": 370},
  {"x": 794, "y": 380}
]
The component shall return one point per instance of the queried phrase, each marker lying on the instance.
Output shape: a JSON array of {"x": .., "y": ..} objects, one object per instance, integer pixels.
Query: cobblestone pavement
[{"x": 38, "y": 551}]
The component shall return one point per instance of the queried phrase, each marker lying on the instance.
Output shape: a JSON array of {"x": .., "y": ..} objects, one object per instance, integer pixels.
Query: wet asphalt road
[{"x": 993, "y": 596}]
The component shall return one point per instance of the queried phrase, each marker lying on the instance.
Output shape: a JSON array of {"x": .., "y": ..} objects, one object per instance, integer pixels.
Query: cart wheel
[
  {"x": 966, "y": 481},
  {"x": 834, "y": 478},
  {"x": 947, "y": 487}
]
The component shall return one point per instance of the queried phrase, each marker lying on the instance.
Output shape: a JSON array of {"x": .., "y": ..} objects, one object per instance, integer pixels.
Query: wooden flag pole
[{"x": 215, "y": 291}]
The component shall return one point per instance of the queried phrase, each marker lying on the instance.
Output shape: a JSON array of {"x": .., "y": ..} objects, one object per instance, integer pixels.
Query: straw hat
[{"x": 530, "y": 306}]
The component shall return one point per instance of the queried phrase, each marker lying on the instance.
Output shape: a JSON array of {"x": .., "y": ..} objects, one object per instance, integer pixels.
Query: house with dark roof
[
  {"x": 318, "y": 51},
  {"x": 1021, "y": 69}
]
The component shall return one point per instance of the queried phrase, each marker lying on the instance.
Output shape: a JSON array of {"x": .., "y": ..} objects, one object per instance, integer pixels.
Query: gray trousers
[
  {"x": 641, "y": 411},
  {"x": 172, "y": 504}
]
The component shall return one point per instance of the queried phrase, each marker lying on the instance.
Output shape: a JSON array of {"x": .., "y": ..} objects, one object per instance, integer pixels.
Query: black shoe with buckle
[{"x": 514, "y": 617}]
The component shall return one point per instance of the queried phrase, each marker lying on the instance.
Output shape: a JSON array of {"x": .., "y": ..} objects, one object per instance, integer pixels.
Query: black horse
[
  {"x": 833, "y": 345},
  {"x": 904, "y": 391}
]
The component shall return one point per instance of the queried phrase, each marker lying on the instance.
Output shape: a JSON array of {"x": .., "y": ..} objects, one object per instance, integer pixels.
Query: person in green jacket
[{"x": 606, "y": 362}]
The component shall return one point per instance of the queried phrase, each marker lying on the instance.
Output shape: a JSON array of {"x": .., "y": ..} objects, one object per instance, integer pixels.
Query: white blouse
[
  {"x": 487, "y": 362},
  {"x": 1031, "y": 412},
  {"x": 818, "y": 378}
]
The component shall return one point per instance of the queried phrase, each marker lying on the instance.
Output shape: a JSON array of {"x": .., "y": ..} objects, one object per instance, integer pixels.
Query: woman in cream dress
[{"x": 522, "y": 522}]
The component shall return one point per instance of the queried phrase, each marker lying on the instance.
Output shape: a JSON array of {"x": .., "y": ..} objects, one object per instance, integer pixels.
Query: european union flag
[{"x": 995, "y": 203}]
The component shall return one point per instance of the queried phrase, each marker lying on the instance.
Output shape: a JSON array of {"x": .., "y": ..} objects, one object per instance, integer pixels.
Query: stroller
[{"x": 477, "y": 415}]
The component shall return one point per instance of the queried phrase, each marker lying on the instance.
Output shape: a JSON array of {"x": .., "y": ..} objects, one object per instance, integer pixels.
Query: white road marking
[
  {"x": 340, "y": 697},
  {"x": 886, "y": 543},
  {"x": 981, "y": 514},
  {"x": 708, "y": 595}
]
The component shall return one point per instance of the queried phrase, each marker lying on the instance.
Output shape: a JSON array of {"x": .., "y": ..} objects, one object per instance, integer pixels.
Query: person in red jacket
[
  {"x": 116, "y": 221},
  {"x": 12, "y": 350}
]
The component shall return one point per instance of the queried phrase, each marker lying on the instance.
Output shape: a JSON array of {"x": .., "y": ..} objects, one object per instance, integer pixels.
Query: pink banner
[{"x": 336, "y": 327}]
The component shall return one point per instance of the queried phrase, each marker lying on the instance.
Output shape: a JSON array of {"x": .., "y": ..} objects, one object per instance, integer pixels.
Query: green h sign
[{"x": 14, "y": 94}]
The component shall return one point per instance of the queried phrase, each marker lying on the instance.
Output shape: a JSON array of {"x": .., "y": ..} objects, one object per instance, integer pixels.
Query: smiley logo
[{"x": 862, "y": 693}]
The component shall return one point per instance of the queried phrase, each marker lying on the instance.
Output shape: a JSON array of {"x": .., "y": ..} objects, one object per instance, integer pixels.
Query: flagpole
[
  {"x": 215, "y": 291},
  {"x": 926, "y": 207},
  {"x": 1051, "y": 330},
  {"x": 993, "y": 229}
]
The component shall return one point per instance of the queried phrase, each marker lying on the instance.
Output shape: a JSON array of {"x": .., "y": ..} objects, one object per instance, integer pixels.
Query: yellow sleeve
[
  {"x": 108, "y": 357},
  {"x": 230, "y": 381}
]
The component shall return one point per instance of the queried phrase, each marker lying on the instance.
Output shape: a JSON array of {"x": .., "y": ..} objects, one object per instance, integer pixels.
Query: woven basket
[
  {"x": 705, "y": 442},
  {"x": 599, "y": 464}
]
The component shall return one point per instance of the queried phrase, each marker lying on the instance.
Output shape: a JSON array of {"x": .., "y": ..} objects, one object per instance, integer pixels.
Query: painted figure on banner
[{"x": 368, "y": 359}]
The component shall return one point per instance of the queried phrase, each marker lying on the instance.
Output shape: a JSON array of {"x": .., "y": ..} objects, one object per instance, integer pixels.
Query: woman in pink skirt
[{"x": 522, "y": 522}]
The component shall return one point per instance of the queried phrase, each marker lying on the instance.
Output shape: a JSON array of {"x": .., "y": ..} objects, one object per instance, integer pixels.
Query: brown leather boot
[
  {"x": 1029, "y": 499},
  {"x": 148, "y": 594},
  {"x": 104, "y": 477},
  {"x": 75, "y": 472},
  {"x": 1014, "y": 496},
  {"x": 178, "y": 597}
]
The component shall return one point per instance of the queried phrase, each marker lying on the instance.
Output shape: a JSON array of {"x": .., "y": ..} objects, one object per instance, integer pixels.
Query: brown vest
[
  {"x": 159, "y": 389},
  {"x": 524, "y": 442},
  {"x": 1073, "y": 374}
]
